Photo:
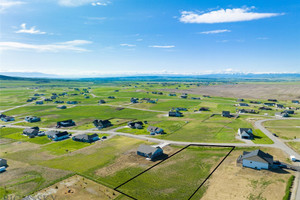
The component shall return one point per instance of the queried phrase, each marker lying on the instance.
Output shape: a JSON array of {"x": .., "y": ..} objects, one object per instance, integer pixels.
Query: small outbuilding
[{"x": 149, "y": 151}]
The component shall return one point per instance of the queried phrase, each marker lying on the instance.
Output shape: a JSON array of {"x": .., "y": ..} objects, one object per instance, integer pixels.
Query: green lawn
[
  {"x": 261, "y": 138},
  {"x": 295, "y": 146}
]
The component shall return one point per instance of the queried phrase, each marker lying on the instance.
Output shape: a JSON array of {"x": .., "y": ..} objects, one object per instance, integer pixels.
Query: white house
[
  {"x": 256, "y": 159},
  {"x": 246, "y": 133}
]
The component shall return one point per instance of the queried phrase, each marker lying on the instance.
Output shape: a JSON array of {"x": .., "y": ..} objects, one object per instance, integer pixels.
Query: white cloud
[
  {"x": 74, "y": 3},
  {"x": 54, "y": 47},
  {"x": 4, "y": 4},
  {"x": 127, "y": 45},
  {"x": 162, "y": 46},
  {"x": 139, "y": 40},
  {"x": 31, "y": 30},
  {"x": 98, "y": 4},
  {"x": 216, "y": 31},
  {"x": 224, "y": 15}
]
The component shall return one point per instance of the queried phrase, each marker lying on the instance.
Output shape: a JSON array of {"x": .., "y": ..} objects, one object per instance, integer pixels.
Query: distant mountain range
[{"x": 229, "y": 76}]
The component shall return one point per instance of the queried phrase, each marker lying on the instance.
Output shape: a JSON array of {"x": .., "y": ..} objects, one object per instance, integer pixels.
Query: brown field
[
  {"x": 251, "y": 91},
  {"x": 237, "y": 183},
  {"x": 77, "y": 188}
]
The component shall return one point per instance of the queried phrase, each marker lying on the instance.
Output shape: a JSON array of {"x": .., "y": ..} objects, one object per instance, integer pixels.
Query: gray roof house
[
  {"x": 32, "y": 119},
  {"x": 256, "y": 159},
  {"x": 86, "y": 138},
  {"x": 149, "y": 151},
  {"x": 135, "y": 125},
  {"x": 155, "y": 130},
  {"x": 31, "y": 132},
  {"x": 281, "y": 114},
  {"x": 295, "y": 101},
  {"x": 246, "y": 133},
  {"x": 102, "y": 123},
  {"x": 175, "y": 114}
]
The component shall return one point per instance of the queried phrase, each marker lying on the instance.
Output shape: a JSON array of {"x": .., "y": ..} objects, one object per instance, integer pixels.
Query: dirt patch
[
  {"x": 255, "y": 91},
  {"x": 130, "y": 159},
  {"x": 238, "y": 183},
  {"x": 77, "y": 188}
]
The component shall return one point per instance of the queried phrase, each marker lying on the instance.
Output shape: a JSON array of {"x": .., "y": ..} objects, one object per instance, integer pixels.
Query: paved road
[{"x": 1, "y": 111}]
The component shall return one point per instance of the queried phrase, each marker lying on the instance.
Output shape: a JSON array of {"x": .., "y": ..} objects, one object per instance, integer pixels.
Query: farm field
[{"x": 37, "y": 165}]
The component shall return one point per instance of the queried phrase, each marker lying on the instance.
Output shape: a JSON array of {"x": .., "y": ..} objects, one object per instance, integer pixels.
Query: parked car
[{"x": 275, "y": 135}]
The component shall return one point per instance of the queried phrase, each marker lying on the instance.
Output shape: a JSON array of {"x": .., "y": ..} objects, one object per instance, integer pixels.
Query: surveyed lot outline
[{"x": 177, "y": 152}]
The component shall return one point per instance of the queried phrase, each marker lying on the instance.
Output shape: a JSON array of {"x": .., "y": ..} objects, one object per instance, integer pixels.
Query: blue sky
[{"x": 94, "y": 37}]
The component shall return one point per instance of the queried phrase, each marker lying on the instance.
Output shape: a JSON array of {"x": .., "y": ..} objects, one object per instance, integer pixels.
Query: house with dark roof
[
  {"x": 240, "y": 100},
  {"x": 7, "y": 118},
  {"x": 196, "y": 98},
  {"x": 53, "y": 97},
  {"x": 59, "y": 101},
  {"x": 295, "y": 101},
  {"x": 255, "y": 102},
  {"x": 247, "y": 111},
  {"x": 135, "y": 125},
  {"x": 269, "y": 104},
  {"x": 172, "y": 94},
  {"x": 204, "y": 109},
  {"x": 32, "y": 119},
  {"x": 31, "y": 132},
  {"x": 226, "y": 114},
  {"x": 101, "y": 101},
  {"x": 86, "y": 138},
  {"x": 65, "y": 123},
  {"x": 61, "y": 107},
  {"x": 155, "y": 130},
  {"x": 57, "y": 135},
  {"x": 281, "y": 114},
  {"x": 264, "y": 108},
  {"x": 39, "y": 102},
  {"x": 183, "y": 96},
  {"x": 72, "y": 102},
  {"x": 246, "y": 133},
  {"x": 206, "y": 96},
  {"x": 243, "y": 104},
  {"x": 175, "y": 114},
  {"x": 279, "y": 106},
  {"x": 290, "y": 112},
  {"x": 111, "y": 97},
  {"x": 181, "y": 109},
  {"x": 134, "y": 100},
  {"x": 47, "y": 99},
  {"x": 3, "y": 162},
  {"x": 274, "y": 100},
  {"x": 149, "y": 151},
  {"x": 256, "y": 160},
  {"x": 100, "y": 124}
]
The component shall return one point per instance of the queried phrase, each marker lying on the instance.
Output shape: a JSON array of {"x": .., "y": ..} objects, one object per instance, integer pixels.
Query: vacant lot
[
  {"x": 238, "y": 183},
  {"x": 77, "y": 188},
  {"x": 254, "y": 91},
  {"x": 285, "y": 129},
  {"x": 295, "y": 146},
  {"x": 178, "y": 177}
]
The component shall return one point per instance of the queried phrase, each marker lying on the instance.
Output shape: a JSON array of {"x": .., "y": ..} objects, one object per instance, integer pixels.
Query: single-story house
[
  {"x": 61, "y": 107},
  {"x": 53, "y": 97},
  {"x": 135, "y": 125},
  {"x": 155, "y": 130},
  {"x": 246, "y": 133},
  {"x": 183, "y": 96},
  {"x": 279, "y": 106},
  {"x": 206, "y": 96},
  {"x": 180, "y": 109},
  {"x": 134, "y": 100},
  {"x": 154, "y": 92},
  {"x": 111, "y": 97},
  {"x": 39, "y": 102},
  {"x": 255, "y": 102},
  {"x": 204, "y": 109},
  {"x": 3, "y": 162},
  {"x": 274, "y": 100},
  {"x": 265, "y": 108},
  {"x": 32, "y": 119},
  {"x": 29, "y": 100},
  {"x": 116, "y": 90},
  {"x": 47, "y": 99},
  {"x": 149, "y": 151},
  {"x": 7, "y": 119},
  {"x": 240, "y": 100},
  {"x": 57, "y": 135},
  {"x": 101, "y": 101},
  {"x": 36, "y": 95},
  {"x": 59, "y": 101},
  {"x": 151, "y": 101},
  {"x": 175, "y": 114},
  {"x": 31, "y": 132},
  {"x": 281, "y": 114},
  {"x": 102, "y": 123},
  {"x": 196, "y": 98},
  {"x": 172, "y": 94},
  {"x": 72, "y": 102},
  {"x": 256, "y": 159},
  {"x": 86, "y": 138},
  {"x": 65, "y": 123},
  {"x": 269, "y": 104},
  {"x": 87, "y": 97},
  {"x": 226, "y": 114},
  {"x": 243, "y": 104},
  {"x": 289, "y": 112},
  {"x": 295, "y": 101},
  {"x": 160, "y": 93},
  {"x": 247, "y": 111}
]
